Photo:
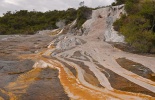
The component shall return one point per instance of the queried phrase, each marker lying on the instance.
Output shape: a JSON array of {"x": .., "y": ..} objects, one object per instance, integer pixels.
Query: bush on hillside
[
  {"x": 139, "y": 26},
  {"x": 25, "y": 22},
  {"x": 83, "y": 13}
]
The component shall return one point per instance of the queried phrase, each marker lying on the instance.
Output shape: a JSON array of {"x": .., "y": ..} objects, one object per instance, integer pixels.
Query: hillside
[
  {"x": 30, "y": 22},
  {"x": 79, "y": 60},
  {"x": 138, "y": 26},
  {"x": 76, "y": 64}
]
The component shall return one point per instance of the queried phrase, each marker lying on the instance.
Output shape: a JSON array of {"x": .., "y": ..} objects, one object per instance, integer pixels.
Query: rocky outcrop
[
  {"x": 99, "y": 75},
  {"x": 105, "y": 17},
  {"x": 69, "y": 42},
  {"x": 78, "y": 67}
]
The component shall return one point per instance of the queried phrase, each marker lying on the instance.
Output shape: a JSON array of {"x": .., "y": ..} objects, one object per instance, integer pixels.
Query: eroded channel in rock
[
  {"x": 136, "y": 68},
  {"x": 79, "y": 67},
  {"x": 120, "y": 83}
]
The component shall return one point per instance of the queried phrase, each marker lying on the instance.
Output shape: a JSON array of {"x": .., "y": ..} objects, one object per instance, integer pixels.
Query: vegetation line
[
  {"x": 29, "y": 22},
  {"x": 138, "y": 26}
]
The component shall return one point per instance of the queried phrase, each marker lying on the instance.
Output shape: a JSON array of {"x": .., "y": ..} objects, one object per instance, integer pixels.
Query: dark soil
[
  {"x": 136, "y": 68},
  {"x": 78, "y": 55},
  {"x": 120, "y": 83},
  {"x": 89, "y": 75},
  {"x": 72, "y": 69},
  {"x": 127, "y": 48},
  {"x": 46, "y": 87}
]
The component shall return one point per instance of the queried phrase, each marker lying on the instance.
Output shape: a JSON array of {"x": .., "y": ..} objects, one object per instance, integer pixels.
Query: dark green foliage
[
  {"x": 119, "y": 2},
  {"x": 139, "y": 26},
  {"x": 83, "y": 13},
  {"x": 25, "y": 22},
  {"x": 132, "y": 6},
  {"x": 148, "y": 11},
  {"x": 118, "y": 23}
]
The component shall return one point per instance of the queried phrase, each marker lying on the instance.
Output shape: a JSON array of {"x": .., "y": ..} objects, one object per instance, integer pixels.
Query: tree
[
  {"x": 25, "y": 22},
  {"x": 148, "y": 11},
  {"x": 118, "y": 2},
  {"x": 139, "y": 26},
  {"x": 83, "y": 13}
]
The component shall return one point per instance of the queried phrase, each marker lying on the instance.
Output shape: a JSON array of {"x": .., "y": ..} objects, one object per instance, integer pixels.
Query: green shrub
[
  {"x": 83, "y": 13},
  {"x": 139, "y": 26},
  {"x": 25, "y": 22}
]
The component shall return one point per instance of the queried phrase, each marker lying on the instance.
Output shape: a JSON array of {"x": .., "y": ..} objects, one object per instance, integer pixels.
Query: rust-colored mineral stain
[
  {"x": 77, "y": 90},
  {"x": 92, "y": 80},
  {"x": 11, "y": 95},
  {"x": 146, "y": 81},
  {"x": 81, "y": 91},
  {"x": 22, "y": 83},
  {"x": 37, "y": 55},
  {"x": 74, "y": 88},
  {"x": 137, "y": 95}
]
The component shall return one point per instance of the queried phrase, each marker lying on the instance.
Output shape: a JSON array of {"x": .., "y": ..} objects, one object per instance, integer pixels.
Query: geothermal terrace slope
[{"x": 92, "y": 69}]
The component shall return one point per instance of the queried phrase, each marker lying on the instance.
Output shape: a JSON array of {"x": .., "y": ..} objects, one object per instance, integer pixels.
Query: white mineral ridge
[
  {"x": 68, "y": 42},
  {"x": 96, "y": 24}
]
